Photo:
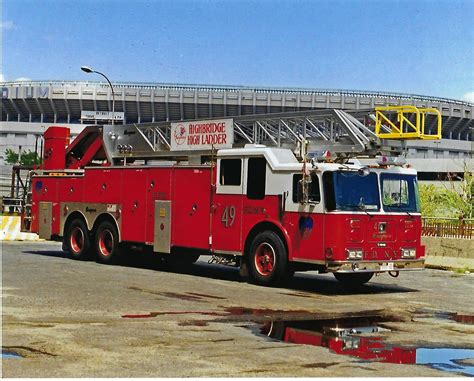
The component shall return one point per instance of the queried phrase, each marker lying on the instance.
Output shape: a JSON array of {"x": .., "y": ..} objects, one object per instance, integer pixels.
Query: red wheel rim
[
  {"x": 77, "y": 239},
  {"x": 265, "y": 259},
  {"x": 106, "y": 242}
]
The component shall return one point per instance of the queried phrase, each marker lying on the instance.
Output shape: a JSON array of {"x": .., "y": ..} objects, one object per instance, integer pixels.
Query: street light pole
[{"x": 87, "y": 69}]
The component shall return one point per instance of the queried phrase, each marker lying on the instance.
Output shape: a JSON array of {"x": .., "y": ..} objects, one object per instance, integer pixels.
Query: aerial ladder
[{"x": 332, "y": 133}]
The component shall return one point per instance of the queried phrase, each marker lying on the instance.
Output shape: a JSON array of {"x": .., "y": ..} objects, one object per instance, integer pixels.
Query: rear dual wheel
[
  {"x": 79, "y": 244},
  {"x": 107, "y": 246},
  {"x": 77, "y": 240}
]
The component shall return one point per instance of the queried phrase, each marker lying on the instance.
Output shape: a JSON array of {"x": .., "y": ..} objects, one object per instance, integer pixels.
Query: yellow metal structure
[{"x": 385, "y": 128}]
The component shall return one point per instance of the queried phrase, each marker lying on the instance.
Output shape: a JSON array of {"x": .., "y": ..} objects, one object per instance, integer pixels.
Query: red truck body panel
[{"x": 135, "y": 190}]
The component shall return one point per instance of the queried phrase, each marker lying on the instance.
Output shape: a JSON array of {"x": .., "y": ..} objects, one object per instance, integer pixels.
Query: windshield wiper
[
  {"x": 362, "y": 207},
  {"x": 399, "y": 207},
  {"x": 353, "y": 207}
]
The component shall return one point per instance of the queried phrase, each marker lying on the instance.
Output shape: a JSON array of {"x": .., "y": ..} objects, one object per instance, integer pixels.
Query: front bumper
[{"x": 375, "y": 266}]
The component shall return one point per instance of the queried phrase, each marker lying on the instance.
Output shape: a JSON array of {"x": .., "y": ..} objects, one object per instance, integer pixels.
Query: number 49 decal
[{"x": 228, "y": 216}]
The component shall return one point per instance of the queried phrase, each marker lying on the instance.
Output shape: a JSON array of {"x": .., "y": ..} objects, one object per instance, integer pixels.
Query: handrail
[{"x": 404, "y": 128}]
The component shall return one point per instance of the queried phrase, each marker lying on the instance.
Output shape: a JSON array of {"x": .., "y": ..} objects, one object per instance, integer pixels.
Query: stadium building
[{"x": 28, "y": 108}]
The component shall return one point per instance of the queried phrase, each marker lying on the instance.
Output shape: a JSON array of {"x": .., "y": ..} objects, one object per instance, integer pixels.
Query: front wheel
[
  {"x": 107, "y": 243},
  {"x": 353, "y": 279},
  {"x": 267, "y": 259}
]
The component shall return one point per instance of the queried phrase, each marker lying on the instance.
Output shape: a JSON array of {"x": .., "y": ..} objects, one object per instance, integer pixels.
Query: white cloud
[
  {"x": 7, "y": 25},
  {"x": 22, "y": 79},
  {"x": 469, "y": 97}
]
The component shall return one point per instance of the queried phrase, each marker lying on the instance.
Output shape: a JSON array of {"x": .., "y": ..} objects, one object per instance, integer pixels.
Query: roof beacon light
[
  {"x": 364, "y": 171},
  {"x": 390, "y": 160}
]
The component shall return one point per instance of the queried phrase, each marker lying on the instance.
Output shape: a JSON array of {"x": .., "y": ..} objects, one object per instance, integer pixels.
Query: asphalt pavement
[{"x": 66, "y": 318}]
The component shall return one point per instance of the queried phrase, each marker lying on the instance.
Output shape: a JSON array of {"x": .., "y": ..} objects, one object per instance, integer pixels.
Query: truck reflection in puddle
[
  {"x": 359, "y": 338},
  {"x": 6, "y": 354}
]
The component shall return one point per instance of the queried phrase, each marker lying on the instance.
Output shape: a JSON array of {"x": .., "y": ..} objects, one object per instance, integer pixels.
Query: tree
[
  {"x": 11, "y": 156},
  {"x": 449, "y": 201},
  {"x": 28, "y": 158}
]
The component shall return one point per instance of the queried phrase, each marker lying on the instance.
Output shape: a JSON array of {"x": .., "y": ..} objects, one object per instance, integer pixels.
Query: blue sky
[{"x": 420, "y": 47}]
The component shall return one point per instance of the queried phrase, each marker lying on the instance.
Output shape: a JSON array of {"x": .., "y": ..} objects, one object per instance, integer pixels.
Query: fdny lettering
[
  {"x": 228, "y": 216},
  {"x": 254, "y": 210},
  {"x": 381, "y": 236}
]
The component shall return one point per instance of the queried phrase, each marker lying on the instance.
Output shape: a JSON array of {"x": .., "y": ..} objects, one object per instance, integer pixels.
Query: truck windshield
[
  {"x": 347, "y": 190},
  {"x": 399, "y": 193}
]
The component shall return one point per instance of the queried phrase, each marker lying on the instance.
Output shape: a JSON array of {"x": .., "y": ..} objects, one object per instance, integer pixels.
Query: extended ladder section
[
  {"x": 331, "y": 132},
  {"x": 407, "y": 122}
]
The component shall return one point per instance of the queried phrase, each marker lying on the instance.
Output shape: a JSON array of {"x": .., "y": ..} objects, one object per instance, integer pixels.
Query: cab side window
[
  {"x": 314, "y": 191},
  {"x": 256, "y": 178},
  {"x": 329, "y": 195},
  {"x": 231, "y": 172}
]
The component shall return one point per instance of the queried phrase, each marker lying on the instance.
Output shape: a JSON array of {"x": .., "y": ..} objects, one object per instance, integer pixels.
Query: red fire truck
[{"x": 263, "y": 208}]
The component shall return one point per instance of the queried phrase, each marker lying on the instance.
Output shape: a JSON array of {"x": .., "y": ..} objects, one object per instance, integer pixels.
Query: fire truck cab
[{"x": 282, "y": 215}]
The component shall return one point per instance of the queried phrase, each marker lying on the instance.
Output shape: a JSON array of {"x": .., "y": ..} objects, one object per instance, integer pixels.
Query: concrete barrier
[
  {"x": 10, "y": 230},
  {"x": 449, "y": 253}
]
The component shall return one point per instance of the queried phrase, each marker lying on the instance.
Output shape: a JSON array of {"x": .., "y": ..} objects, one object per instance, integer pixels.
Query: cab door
[{"x": 227, "y": 207}]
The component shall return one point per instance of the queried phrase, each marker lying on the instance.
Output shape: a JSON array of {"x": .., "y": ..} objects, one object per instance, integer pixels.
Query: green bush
[{"x": 456, "y": 202}]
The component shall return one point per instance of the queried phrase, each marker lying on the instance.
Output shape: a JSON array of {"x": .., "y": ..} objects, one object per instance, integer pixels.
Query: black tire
[
  {"x": 107, "y": 246},
  {"x": 353, "y": 279},
  {"x": 276, "y": 330},
  {"x": 267, "y": 259},
  {"x": 77, "y": 240}
]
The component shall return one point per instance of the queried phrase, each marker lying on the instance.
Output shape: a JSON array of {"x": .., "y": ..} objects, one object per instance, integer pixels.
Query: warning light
[{"x": 390, "y": 160}]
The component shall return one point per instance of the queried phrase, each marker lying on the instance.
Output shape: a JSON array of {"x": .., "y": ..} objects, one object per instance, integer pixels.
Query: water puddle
[
  {"x": 11, "y": 352},
  {"x": 10, "y": 355},
  {"x": 447, "y": 359},
  {"x": 364, "y": 338},
  {"x": 362, "y": 334},
  {"x": 464, "y": 318}
]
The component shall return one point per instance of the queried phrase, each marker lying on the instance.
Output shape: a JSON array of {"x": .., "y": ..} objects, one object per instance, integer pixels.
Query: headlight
[
  {"x": 354, "y": 253},
  {"x": 408, "y": 253}
]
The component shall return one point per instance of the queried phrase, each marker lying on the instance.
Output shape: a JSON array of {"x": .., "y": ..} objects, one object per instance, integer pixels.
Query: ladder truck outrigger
[{"x": 271, "y": 193}]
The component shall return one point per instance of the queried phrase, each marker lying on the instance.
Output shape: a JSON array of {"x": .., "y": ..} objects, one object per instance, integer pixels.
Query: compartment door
[
  {"x": 162, "y": 236},
  {"x": 45, "y": 219}
]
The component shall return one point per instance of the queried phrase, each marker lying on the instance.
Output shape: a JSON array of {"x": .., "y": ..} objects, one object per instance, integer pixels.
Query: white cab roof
[{"x": 283, "y": 159}]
